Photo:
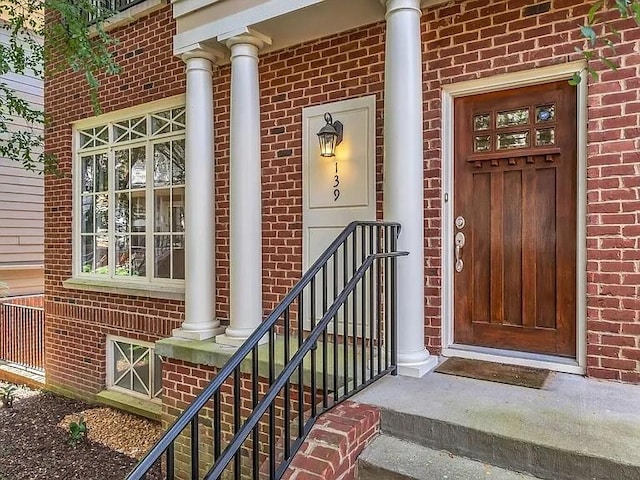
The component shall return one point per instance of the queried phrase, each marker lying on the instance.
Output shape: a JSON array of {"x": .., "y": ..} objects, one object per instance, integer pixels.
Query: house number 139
[{"x": 336, "y": 184}]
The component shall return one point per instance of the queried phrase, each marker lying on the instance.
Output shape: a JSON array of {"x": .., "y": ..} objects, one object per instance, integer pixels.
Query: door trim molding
[{"x": 491, "y": 84}]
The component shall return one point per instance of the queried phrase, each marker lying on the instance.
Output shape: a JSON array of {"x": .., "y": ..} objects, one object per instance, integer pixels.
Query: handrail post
[{"x": 394, "y": 301}]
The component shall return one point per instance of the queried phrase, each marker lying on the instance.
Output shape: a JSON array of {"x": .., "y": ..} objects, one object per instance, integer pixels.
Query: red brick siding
[
  {"x": 461, "y": 41},
  {"x": 335, "y": 442}
]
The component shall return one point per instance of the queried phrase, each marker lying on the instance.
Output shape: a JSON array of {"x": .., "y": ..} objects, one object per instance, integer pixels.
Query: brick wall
[
  {"x": 335, "y": 442},
  {"x": 462, "y": 41}
]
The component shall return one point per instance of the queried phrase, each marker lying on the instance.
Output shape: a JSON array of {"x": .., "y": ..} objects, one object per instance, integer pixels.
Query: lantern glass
[{"x": 327, "y": 144}]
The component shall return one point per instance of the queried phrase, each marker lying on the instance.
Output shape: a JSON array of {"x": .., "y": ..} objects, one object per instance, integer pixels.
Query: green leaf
[
  {"x": 593, "y": 10},
  {"x": 588, "y": 33},
  {"x": 609, "y": 63},
  {"x": 575, "y": 79}
]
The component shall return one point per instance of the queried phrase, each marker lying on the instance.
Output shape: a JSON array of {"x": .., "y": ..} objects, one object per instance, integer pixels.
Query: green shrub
[
  {"x": 77, "y": 431},
  {"x": 8, "y": 395}
]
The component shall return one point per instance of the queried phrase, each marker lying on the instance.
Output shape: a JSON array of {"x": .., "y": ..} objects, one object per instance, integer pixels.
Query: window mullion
[
  {"x": 112, "y": 206},
  {"x": 149, "y": 238}
]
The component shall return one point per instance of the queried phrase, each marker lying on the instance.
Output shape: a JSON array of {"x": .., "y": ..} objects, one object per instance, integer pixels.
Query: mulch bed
[{"x": 34, "y": 447}]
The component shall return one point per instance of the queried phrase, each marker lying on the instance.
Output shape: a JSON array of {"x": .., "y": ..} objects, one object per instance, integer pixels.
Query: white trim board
[
  {"x": 251, "y": 16},
  {"x": 491, "y": 84}
]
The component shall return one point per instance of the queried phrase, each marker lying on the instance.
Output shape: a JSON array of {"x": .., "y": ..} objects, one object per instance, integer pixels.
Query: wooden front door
[{"x": 515, "y": 205}]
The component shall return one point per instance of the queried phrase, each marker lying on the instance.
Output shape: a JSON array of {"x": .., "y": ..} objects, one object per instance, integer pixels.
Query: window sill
[
  {"x": 129, "y": 15},
  {"x": 124, "y": 288},
  {"x": 128, "y": 403}
]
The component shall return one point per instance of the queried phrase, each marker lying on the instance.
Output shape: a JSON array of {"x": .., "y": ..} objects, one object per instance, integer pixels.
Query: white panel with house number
[{"x": 343, "y": 180}]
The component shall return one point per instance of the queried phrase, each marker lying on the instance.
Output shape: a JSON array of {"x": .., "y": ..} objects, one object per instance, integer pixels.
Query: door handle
[{"x": 459, "y": 242}]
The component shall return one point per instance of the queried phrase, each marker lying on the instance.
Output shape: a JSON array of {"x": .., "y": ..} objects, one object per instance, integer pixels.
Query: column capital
[
  {"x": 395, "y": 5},
  {"x": 200, "y": 50},
  {"x": 246, "y": 36}
]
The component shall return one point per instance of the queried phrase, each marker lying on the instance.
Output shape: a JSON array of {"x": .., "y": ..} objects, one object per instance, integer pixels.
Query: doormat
[{"x": 495, "y": 372}]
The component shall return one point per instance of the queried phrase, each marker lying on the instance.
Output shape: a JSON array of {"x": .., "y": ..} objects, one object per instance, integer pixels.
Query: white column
[
  {"x": 404, "y": 176},
  {"x": 200, "y": 322},
  {"x": 245, "y": 190}
]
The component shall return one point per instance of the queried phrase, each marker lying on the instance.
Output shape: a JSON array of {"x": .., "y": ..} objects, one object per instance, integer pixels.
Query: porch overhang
[{"x": 286, "y": 22}]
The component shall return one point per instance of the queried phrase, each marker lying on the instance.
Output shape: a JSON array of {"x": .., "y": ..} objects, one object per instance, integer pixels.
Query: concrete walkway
[{"x": 581, "y": 417}]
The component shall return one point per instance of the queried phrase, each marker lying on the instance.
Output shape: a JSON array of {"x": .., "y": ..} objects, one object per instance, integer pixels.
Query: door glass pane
[
  {"x": 545, "y": 113},
  {"x": 545, "y": 136},
  {"x": 512, "y": 118},
  {"x": 482, "y": 143},
  {"x": 513, "y": 140},
  {"x": 482, "y": 122},
  {"x": 162, "y": 256}
]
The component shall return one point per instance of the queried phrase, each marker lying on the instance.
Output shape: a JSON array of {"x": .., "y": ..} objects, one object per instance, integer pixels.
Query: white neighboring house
[{"x": 21, "y": 207}]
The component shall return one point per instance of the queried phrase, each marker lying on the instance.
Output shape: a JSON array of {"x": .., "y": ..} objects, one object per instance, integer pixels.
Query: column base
[
  {"x": 197, "y": 334},
  {"x": 228, "y": 341},
  {"x": 418, "y": 369}
]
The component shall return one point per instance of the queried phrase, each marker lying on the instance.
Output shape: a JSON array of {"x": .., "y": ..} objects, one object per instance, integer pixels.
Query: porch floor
[{"x": 582, "y": 417}]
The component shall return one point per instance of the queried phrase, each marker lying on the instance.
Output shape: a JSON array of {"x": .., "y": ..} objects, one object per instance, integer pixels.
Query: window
[
  {"x": 133, "y": 367},
  {"x": 131, "y": 195}
]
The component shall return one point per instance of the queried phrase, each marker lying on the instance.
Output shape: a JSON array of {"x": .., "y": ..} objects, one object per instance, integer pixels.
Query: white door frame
[{"x": 491, "y": 84}]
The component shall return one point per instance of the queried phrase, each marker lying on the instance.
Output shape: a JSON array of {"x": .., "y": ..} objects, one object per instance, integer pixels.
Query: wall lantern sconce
[{"x": 330, "y": 136}]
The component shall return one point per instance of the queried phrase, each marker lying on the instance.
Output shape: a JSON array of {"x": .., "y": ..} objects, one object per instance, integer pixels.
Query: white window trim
[
  {"x": 166, "y": 288},
  {"x": 111, "y": 339}
]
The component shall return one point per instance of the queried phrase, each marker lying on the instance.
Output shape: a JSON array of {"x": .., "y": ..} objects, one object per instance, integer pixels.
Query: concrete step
[
  {"x": 388, "y": 458},
  {"x": 574, "y": 429}
]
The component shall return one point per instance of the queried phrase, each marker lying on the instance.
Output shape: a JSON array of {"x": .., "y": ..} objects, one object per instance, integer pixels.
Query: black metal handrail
[{"x": 369, "y": 324}]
